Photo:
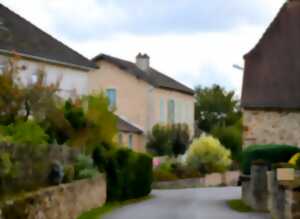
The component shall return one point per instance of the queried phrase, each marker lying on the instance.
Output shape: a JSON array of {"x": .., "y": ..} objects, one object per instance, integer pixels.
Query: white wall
[{"x": 70, "y": 79}]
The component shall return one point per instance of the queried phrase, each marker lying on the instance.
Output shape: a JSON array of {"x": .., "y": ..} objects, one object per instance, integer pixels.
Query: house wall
[
  {"x": 132, "y": 93},
  {"x": 271, "y": 127},
  {"x": 72, "y": 81},
  {"x": 138, "y": 101},
  {"x": 138, "y": 143},
  {"x": 184, "y": 108}
]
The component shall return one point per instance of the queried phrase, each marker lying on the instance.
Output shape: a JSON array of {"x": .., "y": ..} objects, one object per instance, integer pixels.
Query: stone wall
[
  {"x": 271, "y": 127},
  {"x": 210, "y": 180},
  {"x": 66, "y": 201}
]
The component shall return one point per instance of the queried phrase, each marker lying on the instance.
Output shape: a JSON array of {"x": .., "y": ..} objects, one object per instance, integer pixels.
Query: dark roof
[
  {"x": 125, "y": 126},
  {"x": 152, "y": 76},
  {"x": 17, "y": 35},
  {"x": 272, "y": 68}
]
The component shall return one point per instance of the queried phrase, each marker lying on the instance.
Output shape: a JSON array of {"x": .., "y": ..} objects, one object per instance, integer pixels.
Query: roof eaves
[{"x": 85, "y": 68}]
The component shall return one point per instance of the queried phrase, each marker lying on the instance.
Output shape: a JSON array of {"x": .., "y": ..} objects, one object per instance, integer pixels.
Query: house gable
[{"x": 272, "y": 68}]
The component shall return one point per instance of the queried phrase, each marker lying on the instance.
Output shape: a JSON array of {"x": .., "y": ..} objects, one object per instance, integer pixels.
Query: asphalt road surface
[{"x": 204, "y": 203}]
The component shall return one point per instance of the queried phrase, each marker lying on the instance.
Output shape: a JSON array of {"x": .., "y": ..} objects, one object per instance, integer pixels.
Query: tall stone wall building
[{"x": 271, "y": 84}]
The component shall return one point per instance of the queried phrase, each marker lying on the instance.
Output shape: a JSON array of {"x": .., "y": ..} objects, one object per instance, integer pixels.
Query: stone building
[{"x": 271, "y": 84}]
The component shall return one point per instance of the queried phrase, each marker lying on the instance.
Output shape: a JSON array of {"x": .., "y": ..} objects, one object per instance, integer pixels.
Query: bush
[
  {"x": 28, "y": 133},
  {"x": 69, "y": 173},
  {"x": 269, "y": 153},
  {"x": 168, "y": 140},
  {"x": 163, "y": 175},
  {"x": 129, "y": 175},
  {"x": 207, "y": 155},
  {"x": 84, "y": 167},
  {"x": 231, "y": 138}
]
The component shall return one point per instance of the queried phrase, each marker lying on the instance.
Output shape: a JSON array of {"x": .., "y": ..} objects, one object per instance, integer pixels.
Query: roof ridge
[
  {"x": 48, "y": 35},
  {"x": 153, "y": 80}
]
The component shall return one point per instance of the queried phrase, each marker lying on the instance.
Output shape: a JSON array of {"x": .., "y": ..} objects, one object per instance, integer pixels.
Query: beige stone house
[
  {"x": 141, "y": 96},
  {"x": 271, "y": 86}
]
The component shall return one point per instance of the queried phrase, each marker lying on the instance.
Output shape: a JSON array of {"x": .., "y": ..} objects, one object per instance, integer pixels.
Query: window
[
  {"x": 162, "y": 110},
  {"x": 171, "y": 111},
  {"x": 120, "y": 139},
  {"x": 2, "y": 67},
  {"x": 112, "y": 98},
  {"x": 34, "y": 78},
  {"x": 130, "y": 141}
]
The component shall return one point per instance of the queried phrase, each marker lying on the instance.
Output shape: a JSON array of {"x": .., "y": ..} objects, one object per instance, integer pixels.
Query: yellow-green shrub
[{"x": 207, "y": 155}]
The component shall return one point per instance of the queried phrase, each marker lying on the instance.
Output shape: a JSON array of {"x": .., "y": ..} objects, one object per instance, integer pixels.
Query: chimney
[{"x": 143, "y": 61}]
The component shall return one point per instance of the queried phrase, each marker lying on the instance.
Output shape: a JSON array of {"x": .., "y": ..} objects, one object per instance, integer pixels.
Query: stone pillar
[
  {"x": 259, "y": 187},
  {"x": 246, "y": 191},
  {"x": 292, "y": 204}
]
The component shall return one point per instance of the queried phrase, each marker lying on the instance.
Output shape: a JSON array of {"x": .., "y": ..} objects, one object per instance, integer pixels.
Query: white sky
[{"x": 194, "y": 57}]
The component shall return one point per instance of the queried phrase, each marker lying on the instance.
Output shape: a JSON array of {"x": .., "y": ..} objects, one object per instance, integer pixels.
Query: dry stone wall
[
  {"x": 66, "y": 201},
  {"x": 271, "y": 127}
]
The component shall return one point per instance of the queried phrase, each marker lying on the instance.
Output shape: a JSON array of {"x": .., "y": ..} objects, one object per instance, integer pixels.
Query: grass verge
[
  {"x": 98, "y": 213},
  {"x": 239, "y": 205}
]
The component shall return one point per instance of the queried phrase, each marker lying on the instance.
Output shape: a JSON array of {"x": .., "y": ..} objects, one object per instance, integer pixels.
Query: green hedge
[
  {"x": 129, "y": 174},
  {"x": 269, "y": 153}
]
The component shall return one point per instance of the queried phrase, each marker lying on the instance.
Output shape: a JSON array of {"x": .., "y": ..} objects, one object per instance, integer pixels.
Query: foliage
[
  {"x": 207, "y": 155},
  {"x": 163, "y": 175},
  {"x": 230, "y": 137},
  {"x": 159, "y": 141},
  {"x": 129, "y": 174},
  {"x": 269, "y": 153},
  {"x": 99, "y": 126},
  {"x": 29, "y": 133},
  {"x": 174, "y": 170},
  {"x": 98, "y": 213},
  {"x": 5, "y": 164},
  {"x": 84, "y": 167},
  {"x": 69, "y": 173},
  {"x": 239, "y": 206},
  {"x": 294, "y": 159},
  {"x": 215, "y": 106},
  {"x": 168, "y": 140}
]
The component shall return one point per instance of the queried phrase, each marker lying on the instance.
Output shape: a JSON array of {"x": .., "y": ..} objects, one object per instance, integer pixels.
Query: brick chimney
[{"x": 143, "y": 61}]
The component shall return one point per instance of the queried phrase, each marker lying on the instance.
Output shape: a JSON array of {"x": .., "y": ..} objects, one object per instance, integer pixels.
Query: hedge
[
  {"x": 271, "y": 153},
  {"x": 129, "y": 174}
]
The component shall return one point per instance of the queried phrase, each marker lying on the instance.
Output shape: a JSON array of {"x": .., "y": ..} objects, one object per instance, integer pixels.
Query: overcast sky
[{"x": 194, "y": 41}]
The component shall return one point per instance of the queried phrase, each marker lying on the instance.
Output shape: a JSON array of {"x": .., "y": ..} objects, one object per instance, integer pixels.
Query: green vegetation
[
  {"x": 168, "y": 139},
  {"x": 207, "y": 155},
  {"x": 98, "y": 213},
  {"x": 239, "y": 205},
  {"x": 270, "y": 154},
  {"x": 174, "y": 170},
  {"x": 129, "y": 174},
  {"x": 217, "y": 112}
]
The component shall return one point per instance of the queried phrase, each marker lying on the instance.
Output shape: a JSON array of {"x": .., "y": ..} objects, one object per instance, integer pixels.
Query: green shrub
[
  {"x": 28, "y": 133},
  {"x": 168, "y": 140},
  {"x": 69, "y": 173},
  {"x": 207, "y": 155},
  {"x": 129, "y": 174},
  {"x": 163, "y": 175},
  {"x": 84, "y": 167},
  {"x": 230, "y": 137},
  {"x": 159, "y": 141},
  {"x": 269, "y": 153}
]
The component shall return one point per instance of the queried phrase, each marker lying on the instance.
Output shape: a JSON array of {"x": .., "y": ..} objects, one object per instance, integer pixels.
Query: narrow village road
[{"x": 206, "y": 203}]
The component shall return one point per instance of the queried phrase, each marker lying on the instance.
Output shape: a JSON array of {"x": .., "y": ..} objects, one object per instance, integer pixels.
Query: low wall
[
  {"x": 66, "y": 201},
  {"x": 215, "y": 179}
]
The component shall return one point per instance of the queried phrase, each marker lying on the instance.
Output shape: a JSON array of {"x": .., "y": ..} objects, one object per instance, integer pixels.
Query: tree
[{"x": 215, "y": 106}]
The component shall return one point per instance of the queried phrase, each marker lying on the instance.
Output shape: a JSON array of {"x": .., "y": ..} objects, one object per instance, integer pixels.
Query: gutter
[{"x": 7, "y": 52}]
